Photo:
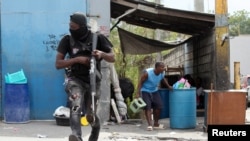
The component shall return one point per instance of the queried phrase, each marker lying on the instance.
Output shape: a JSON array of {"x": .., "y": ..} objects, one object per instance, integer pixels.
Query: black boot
[
  {"x": 75, "y": 125},
  {"x": 73, "y": 137},
  {"x": 95, "y": 130}
]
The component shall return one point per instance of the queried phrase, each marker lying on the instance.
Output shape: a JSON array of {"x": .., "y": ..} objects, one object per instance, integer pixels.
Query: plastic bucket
[
  {"x": 16, "y": 103},
  {"x": 164, "y": 93},
  {"x": 182, "y": 108}
]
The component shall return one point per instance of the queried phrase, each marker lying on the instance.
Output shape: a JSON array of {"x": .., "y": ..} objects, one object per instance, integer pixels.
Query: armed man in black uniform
[{"x": 78, "y": 46}]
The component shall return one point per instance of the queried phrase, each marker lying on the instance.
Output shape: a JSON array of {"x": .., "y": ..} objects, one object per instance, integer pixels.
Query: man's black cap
[{"x": 79, "y": 18}]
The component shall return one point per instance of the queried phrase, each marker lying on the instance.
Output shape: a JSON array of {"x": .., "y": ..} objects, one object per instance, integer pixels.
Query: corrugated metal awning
[{"x": 151, "y": 15}]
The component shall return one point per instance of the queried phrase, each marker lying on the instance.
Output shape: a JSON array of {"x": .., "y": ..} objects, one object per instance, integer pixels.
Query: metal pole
[{"x": 237, "y": 75}]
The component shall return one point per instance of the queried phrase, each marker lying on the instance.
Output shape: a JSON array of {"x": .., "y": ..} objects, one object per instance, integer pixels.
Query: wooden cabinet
[{"x": 225, "y": 107}]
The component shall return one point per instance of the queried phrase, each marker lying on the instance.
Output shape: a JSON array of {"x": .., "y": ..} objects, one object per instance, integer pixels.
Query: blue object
[
  {"x": 16, "y": 103},
  {"x": 16, "y": 78},
  {"x": 182, "y": 108},
  {"x": 176, "y": 85},
  {"x": 164, "y": 93}
]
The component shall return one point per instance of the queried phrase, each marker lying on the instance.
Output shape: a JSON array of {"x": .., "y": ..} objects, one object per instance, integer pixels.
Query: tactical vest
[{"x": 78, "y": 48}]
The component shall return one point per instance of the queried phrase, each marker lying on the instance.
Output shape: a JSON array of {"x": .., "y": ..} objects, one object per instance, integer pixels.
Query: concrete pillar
[
  {"x": 199, "y": 5},
  {"x": 103, "y": 109}
]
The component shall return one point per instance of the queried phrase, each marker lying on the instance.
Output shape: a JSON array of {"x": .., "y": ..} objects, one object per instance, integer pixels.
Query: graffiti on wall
[{"x": 52, "y": 42}]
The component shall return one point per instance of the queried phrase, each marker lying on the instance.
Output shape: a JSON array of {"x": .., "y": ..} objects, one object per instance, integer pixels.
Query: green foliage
[
  {"x": 239, "y": 23},
  {"x": 126, "y": 65}
]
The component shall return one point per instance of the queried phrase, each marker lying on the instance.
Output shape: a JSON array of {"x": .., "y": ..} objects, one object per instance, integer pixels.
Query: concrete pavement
[{"x": 132, "y": 131}]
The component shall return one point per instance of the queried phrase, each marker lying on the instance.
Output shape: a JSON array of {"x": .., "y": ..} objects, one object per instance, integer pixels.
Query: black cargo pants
[{"x": 79, "y": 95}]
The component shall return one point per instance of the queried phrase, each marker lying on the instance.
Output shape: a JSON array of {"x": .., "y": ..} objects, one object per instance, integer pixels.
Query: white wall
[{"x": 240, "y": 52}]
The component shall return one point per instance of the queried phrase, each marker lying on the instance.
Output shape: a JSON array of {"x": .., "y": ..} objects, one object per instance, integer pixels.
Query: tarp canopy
[{"x": 135, "y": 45}]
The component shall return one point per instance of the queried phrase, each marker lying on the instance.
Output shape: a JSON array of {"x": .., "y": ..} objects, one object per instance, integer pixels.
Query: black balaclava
[{"x": 82, "y": 32}]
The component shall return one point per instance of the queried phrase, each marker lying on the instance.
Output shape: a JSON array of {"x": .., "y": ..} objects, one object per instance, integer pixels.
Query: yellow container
[
  {"x": 84, "y": 121},
  {"x": 137, "y": 105}
]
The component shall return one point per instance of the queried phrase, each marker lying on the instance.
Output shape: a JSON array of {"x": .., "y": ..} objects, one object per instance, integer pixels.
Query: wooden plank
[{"x": 117, "y": 116}]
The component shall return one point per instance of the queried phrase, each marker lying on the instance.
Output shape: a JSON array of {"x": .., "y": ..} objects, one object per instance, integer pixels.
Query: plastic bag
[
  {"x": 62, "y": 111},
  {"x": 182, "y": 84}
]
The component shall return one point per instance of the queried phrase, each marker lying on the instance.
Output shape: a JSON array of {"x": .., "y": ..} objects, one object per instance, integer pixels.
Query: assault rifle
[{"x": 93, "y": 74}]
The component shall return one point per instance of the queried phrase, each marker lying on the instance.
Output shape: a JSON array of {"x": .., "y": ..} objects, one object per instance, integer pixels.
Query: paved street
[
  {"x": 132, "y": 131},
  {"x": 48, "y": 130}
]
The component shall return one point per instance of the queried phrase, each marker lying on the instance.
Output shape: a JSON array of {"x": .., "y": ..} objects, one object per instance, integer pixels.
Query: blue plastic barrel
[
  {"x": 164, "y": 93},
  {"x": 16, "y": 103},
  {"x": 182, "y": 108}
]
